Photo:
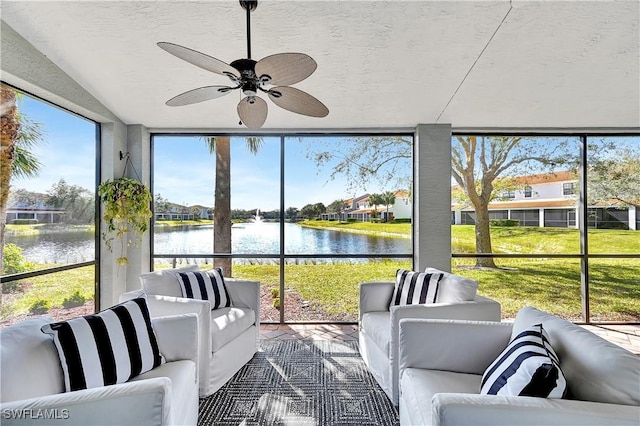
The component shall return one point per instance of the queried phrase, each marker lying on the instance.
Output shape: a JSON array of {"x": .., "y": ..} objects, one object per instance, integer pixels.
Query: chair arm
[
  {"x": 469, "y": 409},
  {"x": 375, "y": 296},
  {"x": 245, "y": 294},
  {"x": 131, "y": 295},
  {"x": 177, "y": 337},
  {"x": 162, "y": 306},
  {"x": 447, "y": 344},
  {"x": 143, "y": 402}
]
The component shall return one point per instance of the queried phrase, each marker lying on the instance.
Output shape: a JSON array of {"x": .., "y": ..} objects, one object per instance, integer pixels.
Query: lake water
[{"x": 246, "y": 238}]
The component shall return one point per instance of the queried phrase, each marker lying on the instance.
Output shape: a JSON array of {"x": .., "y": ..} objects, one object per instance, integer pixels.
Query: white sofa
[
  {"x": 379, "y": 324},
  {"x": 229, "y": 337},
  {"x": 440, "y": 383},
  {"x": 32, "y": 381}
]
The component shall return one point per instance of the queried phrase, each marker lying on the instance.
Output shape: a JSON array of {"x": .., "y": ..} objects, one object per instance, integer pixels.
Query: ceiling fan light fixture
[{"x": 280, "y": 70}]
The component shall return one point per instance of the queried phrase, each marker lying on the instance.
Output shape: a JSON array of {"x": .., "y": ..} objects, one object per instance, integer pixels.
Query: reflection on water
[{"x": 246, "y": 238}]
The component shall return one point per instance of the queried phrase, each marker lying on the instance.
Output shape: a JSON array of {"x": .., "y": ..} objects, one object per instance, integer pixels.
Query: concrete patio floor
[{"x": 627, "y": 336}]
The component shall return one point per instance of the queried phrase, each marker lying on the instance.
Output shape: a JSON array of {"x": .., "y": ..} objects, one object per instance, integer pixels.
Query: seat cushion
[
  {"x": 418, "y": 386},
  {"x": 378, "y": 327},
  {"x": 164, "y": 282},
  {"x": 30, "y": 362},
  {"x": 229, "y": 323}
]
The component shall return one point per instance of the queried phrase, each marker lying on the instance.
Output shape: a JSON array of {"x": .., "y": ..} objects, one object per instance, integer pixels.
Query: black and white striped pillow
[
  {"x": 413, "y": 288},
  {"x": 527, "y": 367},
  {"x": 205, "y": 285},
  {"x": 106, "y": 348}
]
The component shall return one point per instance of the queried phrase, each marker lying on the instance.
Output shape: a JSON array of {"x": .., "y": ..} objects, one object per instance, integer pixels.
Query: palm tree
[
  {"x": 17, "y": 135},
  {"x": 388, "y": 199},
  {"x": 220, "y": 146},
  {"x": 375, "y": 200}
]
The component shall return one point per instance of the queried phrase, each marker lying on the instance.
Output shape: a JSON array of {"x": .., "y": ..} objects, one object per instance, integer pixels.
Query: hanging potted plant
[{"x": 126, "y": 211}]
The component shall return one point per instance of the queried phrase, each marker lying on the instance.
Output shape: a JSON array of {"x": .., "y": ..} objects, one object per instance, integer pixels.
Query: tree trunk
[
  {"x": 222, "y": 212},
  {"x": 483, "y": 237},
  {"x": 8, "y": 137}
]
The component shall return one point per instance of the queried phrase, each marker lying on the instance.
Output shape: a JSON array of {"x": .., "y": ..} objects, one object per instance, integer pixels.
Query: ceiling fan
[{"x": 272, "y": 75}]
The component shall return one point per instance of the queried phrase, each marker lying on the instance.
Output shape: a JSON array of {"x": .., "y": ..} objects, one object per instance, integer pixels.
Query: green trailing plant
[{"x": 126, "y": 212}]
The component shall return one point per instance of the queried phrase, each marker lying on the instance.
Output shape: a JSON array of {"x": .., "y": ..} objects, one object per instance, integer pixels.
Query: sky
[{"x": 184, "y": 170}]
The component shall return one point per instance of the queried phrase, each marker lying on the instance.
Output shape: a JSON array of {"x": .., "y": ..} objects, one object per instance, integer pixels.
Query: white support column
[
  {"x": 541, "y": 218},
  {"x": 633, "y": 215},
  {"x": 139, "y": 149},
  {"x": 112, "y": 276},
  {"x": 432, "y": 197}
]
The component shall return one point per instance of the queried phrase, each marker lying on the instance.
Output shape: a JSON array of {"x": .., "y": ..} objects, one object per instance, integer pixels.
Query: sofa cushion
[
  {"x": 164, "y": 282},
  {"x": 596, "y": 370},
  {"x": 454, "y": 288},
  {"x": 205, "y": 285},
  {"x": 106, "y": 348},
  {"x": 418, "y": 386},
  {"x": 29, "y": 361},
  {"x": 229, "y": 323},
  {"x": 528, "y": 366},
  {"x": 415, "y": 288},
  {"x": 377, "y": 326}
]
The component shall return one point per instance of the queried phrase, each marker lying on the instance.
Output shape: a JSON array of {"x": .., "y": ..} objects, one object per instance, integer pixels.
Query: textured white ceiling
[{"x": 381, "y": 64}]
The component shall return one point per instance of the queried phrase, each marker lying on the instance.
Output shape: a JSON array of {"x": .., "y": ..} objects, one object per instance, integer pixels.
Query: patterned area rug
[{"x": 301, "y": 382}]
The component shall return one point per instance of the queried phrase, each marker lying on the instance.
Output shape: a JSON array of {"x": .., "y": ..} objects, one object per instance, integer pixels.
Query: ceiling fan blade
[
  {"x": 285, "y": 69},
  {"x": 201, "y": 60},
  {"x": 297, "y": 101},
  {"x": 252, "y": 111},
  {"x": 200, "y": 94}
]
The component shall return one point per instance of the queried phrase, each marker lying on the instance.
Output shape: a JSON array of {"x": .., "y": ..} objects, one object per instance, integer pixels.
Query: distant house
[
  {"x": 549, "y": 200},
  {"x": 360, "y": 209},
  {"x": 37, "y": 210},
  {"x": 180, "y": 212}
]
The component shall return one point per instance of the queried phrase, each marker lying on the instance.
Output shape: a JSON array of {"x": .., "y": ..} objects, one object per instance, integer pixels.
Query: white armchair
[
  {"x": 33, "y": 388},
  {"x": 228, "y": 337},
  {"x": 440, "y": 384},
  {"x": 379, "y": 324}
]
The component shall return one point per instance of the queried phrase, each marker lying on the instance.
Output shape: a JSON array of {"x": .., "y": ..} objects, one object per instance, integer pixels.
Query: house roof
[{"x": 381, "y": 64}]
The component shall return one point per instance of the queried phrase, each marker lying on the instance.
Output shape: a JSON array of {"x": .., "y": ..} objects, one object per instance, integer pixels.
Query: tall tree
[
  {"x": 221, "y": 147},
  {"x": 388, "y": 198},
  {"x": 78, "y": 202},
  {"x": 337, "y": 206},
  {"x": 478, "y": 163},
  {"x": 375, "y": 200},
  {"x": 614, "y": 178},
  {"x": 17, "y": 135}
]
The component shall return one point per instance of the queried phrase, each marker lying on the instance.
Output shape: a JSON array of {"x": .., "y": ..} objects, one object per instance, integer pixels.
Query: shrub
[
  {"x": 40, "y": 307},
  {"x": 275, "y": 292},
  {"x": 24, "y": 222},
  {"x": 276, "y": 303},
  {"x": 504, "y": 222},
  {"x": 76, "y": 299},
  {"x": 11, "y": 286},
  {"x": 14, "y": 261},
  {"x": 402, "y": 220}
]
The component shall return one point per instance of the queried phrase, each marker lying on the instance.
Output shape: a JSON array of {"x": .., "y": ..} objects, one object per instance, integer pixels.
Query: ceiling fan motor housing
[{"x": 248, "y": 79}]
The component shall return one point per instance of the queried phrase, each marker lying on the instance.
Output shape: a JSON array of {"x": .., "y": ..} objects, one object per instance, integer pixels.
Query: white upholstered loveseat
[
  {"x": 440, "y": 383},
  {"x": 379, "y": 323},
  {"x": 33, "y": 390},
  {"x": 229, "y": 337}
]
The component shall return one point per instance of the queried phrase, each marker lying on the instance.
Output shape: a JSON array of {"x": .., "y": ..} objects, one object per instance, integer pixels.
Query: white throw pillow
[
  {"x": 527, "y": 367},
  {"x": 205, "y": 285},
  {"x": 454, "y": 288},
  {"x": 164, "y": 282},
  {"x": 415, "y": 288},
  {"x": 106, "y": 348}
]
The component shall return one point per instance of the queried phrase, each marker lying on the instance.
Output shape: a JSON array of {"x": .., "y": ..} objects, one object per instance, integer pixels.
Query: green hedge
[
  {"x": 504, "y": 222},
  {"x": 24, "y": 222}
]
